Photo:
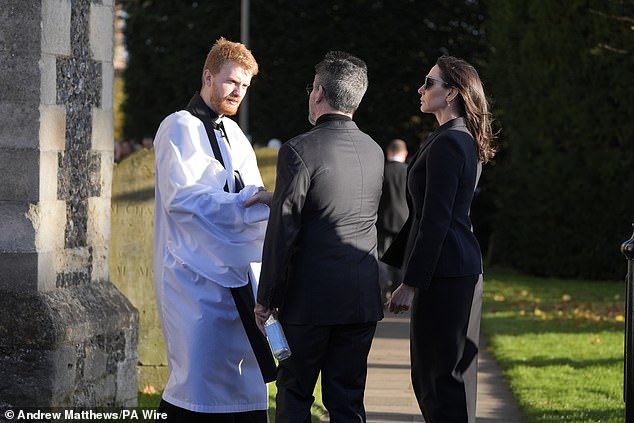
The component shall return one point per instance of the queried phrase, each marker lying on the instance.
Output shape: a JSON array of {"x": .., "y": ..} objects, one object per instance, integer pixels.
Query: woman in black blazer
[{"x": 437, "y": 249}]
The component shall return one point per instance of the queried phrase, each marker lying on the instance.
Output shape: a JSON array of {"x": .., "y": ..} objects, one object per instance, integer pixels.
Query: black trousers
[
  {"x": 445, "y": 328},
  {"x": 340, "y": 352},
  {"x": 180, "y": 415}
]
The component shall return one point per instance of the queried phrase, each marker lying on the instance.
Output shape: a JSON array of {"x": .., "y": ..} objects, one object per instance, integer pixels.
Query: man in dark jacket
[
  {"x": 393, "y": 211},
  {"x": 319, "y": 265}
]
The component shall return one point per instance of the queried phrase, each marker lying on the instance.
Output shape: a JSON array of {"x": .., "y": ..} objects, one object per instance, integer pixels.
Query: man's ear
[
  {"x": 207, "y": 77},
  {"x": 320, "y": 95}
]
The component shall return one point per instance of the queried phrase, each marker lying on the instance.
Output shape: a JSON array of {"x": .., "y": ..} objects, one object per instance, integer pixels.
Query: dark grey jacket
[{"x": 319, "y": 263}]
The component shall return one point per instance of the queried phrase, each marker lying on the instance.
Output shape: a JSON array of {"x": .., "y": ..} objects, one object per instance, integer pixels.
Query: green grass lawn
[{"x": 560, "y": 344}]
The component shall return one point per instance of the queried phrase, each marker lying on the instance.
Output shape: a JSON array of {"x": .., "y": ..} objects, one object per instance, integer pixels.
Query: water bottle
[{"x": 276, "y": 338}]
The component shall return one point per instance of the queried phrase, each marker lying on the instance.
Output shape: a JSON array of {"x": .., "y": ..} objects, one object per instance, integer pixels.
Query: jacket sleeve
[
  {"x": 291, "y": 187},
  {"x": 444, "y": 163}
]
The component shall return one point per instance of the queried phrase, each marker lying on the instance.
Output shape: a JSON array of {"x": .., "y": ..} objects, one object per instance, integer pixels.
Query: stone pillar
[{"x": 68, "y": 337}]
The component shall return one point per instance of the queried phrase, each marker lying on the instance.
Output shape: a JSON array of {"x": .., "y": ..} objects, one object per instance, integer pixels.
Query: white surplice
[{"x": 205, "y": 243}]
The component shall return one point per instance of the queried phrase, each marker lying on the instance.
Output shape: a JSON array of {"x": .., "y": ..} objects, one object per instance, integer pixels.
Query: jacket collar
[
  {"x": 329, "y": 117},
  {"x": 457, "y": 123}
]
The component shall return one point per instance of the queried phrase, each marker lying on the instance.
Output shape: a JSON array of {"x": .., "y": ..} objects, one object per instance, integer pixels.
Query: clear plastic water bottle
[{"x": 276, "y": 338}]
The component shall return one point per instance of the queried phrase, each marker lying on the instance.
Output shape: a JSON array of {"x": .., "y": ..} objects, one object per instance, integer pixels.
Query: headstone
[
  {"x": 131, "y": 247},
  {"x": 68, "y": 337}
]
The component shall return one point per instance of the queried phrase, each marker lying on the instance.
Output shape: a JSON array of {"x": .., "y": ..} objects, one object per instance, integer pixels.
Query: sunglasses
[
  {"x": 309, "y": 88},
  {"x": 429, "y": 82}
]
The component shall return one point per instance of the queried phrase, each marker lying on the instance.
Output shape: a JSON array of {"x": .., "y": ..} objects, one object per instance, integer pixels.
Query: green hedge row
[{"x": 562, "y": 77}]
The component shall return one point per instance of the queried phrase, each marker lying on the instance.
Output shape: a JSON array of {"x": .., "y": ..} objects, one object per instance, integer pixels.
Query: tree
[
  {"x": 399, "y": 39},
  {"x": 562, "y": 77}
]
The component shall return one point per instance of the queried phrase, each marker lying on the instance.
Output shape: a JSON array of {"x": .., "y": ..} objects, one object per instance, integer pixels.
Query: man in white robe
[{"x": 207, "y": 245}]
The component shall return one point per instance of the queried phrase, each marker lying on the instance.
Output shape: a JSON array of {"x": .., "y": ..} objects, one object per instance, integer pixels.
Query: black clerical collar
[
  {"x": 198, "y": 105},
  {"x": 332, "y": 116},
  {"x": 199, "y": 108}
]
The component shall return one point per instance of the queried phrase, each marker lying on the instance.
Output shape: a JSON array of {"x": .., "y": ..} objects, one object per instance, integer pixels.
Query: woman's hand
[{"x": 401, "y": 299}]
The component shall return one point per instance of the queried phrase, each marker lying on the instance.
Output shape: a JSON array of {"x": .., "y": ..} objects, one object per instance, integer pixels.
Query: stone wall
[{"x": 67, "y": 335}]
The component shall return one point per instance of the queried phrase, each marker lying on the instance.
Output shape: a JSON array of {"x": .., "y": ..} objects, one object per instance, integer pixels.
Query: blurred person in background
[{"x": 392, "y": 211}]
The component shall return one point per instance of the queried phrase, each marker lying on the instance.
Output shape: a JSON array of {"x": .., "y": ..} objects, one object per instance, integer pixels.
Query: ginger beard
[{"x": 224, "y": 105}]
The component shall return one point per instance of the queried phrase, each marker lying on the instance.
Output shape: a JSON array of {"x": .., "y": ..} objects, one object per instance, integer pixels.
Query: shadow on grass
[
  {"x": 557, "y": 416},
  {"x": 507, "y": 324}
]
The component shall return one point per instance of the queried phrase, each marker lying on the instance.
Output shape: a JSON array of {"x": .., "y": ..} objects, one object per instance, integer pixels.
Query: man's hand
[
  {"x": 262, "y": 196},
  {"x": 261, "y": 314},
  {"x": 401, "y": 299}
]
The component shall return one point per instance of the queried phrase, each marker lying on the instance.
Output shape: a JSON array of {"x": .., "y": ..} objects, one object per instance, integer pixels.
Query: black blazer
[
  {"x": 393, "y": 205},
  {"x": 319, "y": 263},
  {"x": 437, "y": 240}
]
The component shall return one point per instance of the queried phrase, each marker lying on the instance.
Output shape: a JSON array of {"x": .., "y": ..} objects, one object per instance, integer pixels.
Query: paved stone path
[{"x": 389, "y": 396}]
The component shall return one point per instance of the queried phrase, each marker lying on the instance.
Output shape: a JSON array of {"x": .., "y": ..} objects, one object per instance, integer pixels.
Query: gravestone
[
  {"x": 131, "y": 247},
  {"x": 68, "y": 337}
]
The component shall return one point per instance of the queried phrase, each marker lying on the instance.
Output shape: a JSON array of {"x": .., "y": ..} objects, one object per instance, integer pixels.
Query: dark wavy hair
[{"x": 472, "y": 102}]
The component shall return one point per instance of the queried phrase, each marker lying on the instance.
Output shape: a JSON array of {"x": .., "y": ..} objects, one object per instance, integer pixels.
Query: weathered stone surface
[
  {"x": 18, "y": 272},
  {"x": 76, "y": 346},
  {"x": 131, "y": 246},
  {"x": 20, "y": 171},
  {"x": 68, "y": 337},
  {"x": 17, "y": 231},
  {"x": 19, "y": 86}
]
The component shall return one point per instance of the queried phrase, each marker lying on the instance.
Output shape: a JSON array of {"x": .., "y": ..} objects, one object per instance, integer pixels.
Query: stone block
[
  {"x": 52, "y": 129},
  {"x": 107, "y": 86},
  {"x": 56, "y": 27},
  {"x": 18, "y": 273},
  {"x": 48, "y": 79},
  {"x": 16, "y": 227},
  {"x": 102, "y": 32},
  {"x": 21, "y": 31},
  {"x": 99, "y": 235},
  {"x": 47, "y": 269},
  {"x": 107, "y": 167},
  {"x": 20, "y": 81},
  {"x": 68, "y": 347},
  {"x": 20, "y": 170},
  {"x": 49, "y": 161},
  {"x": 95, "y": 362},
  {"x": 127, "y": 393},
  {"x": 16, "y": 124},
  {"x": 102, "y": 129},
  {"x": 48, "y": 218}
]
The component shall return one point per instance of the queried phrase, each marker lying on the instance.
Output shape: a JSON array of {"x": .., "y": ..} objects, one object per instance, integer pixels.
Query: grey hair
[{"x": 344, "y": 78}]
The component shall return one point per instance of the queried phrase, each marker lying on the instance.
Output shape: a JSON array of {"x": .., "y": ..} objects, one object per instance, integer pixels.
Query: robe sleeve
[{"x": 208, "y": 229}]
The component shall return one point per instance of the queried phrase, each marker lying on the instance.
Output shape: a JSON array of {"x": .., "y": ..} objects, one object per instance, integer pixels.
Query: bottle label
[{"x": 277, "y": 340}]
